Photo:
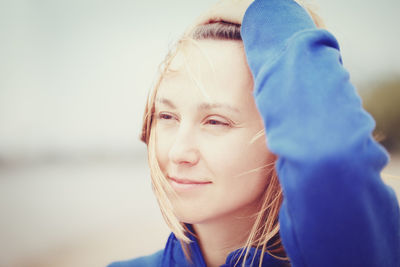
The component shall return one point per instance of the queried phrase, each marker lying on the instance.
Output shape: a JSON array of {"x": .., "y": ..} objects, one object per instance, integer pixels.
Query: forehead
[{"x": 208, "y": 68}]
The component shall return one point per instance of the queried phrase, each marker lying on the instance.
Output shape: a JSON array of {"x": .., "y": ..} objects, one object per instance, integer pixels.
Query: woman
[{"x": 305, "y": 191}]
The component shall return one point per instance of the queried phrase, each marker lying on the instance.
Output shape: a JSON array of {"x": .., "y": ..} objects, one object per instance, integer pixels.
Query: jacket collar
[{"x": 174, "y": 256}]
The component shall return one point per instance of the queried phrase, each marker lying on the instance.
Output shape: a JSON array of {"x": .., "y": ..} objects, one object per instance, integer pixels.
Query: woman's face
[{"x": 206, "y": 119}]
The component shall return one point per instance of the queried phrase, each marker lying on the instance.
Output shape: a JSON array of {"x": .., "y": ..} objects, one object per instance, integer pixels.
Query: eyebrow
[{"x": 202, "y": 106}]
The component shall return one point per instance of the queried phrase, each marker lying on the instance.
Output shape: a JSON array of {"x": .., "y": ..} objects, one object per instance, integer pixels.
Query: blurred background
[{"x": 74, "y": 76}]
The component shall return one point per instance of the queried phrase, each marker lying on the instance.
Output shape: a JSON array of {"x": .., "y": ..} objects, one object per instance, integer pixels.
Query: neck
[{"x": 219, "y": 238}]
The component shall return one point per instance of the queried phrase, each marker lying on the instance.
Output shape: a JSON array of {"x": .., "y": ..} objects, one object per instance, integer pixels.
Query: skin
[{"x": 205, "y": 121}]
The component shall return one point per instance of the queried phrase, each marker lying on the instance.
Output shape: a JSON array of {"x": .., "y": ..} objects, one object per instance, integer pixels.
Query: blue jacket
[
  {"x": 173, "y": 256},
  {"x": 336, "y": 209}
]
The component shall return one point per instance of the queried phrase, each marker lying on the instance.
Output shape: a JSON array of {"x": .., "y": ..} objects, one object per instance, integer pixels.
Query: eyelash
[
  {"x": 217, "y": 122},
  {"x": 163, "y": 115},
  {"x": 214, "y": 122}
]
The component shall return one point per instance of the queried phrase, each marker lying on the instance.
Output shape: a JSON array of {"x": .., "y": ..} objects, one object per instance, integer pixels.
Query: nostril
[{"x": 185, "y": 157}]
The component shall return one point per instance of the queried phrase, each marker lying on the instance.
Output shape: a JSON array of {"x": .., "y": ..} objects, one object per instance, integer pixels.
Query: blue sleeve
[
  {"x": 336, "y": 210},
  {"x": 153, "y": 260}
]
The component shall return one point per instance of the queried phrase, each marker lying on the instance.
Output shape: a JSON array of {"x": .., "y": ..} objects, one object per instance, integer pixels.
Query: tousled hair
[
  {"x": 220, "y": 30},
  {"x": 264, "y": 235}
]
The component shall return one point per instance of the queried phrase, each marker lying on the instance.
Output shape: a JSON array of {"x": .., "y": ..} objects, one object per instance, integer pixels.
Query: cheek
[
  {"x": 162, "y": 146},
  {"x": 241, "y": 175},
  {"x": 238, "y": 157},
  {"x": 235, "y": 154},
  {"x": 240, "y": 169}
]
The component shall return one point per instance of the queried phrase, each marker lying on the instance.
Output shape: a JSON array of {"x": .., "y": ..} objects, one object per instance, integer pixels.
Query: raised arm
[{"x": 336, "y": 209}]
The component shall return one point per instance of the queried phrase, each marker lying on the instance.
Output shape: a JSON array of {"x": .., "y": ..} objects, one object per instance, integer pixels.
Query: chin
[{"x": 191, "y": 218}]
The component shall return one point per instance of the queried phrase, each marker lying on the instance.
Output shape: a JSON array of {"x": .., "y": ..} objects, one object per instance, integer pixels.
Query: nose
[{"x": 183, "y": 150}]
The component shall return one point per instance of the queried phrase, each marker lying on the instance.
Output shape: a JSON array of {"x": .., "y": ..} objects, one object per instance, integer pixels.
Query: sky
[{"x": 74, "y": 75}]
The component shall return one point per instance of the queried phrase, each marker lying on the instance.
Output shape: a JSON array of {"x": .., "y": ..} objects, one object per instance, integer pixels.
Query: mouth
[
  {"x": 184, "y": 184},
  {"x": 187, "y": 181}
]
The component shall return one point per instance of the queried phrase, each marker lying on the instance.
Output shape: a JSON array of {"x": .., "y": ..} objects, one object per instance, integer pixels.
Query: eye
[
  {"x": 217, "y": 122},
  {"x": 166, "y": 116}
]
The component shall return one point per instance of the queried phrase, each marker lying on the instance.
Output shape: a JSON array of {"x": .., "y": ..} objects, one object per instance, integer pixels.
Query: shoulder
[
  {"x": 150, "y": 260},
  {"x": 171, "y": 255}
]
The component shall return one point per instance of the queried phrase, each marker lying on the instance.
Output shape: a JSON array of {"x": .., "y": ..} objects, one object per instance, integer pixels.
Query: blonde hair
[{"x": 264, "y": 234}]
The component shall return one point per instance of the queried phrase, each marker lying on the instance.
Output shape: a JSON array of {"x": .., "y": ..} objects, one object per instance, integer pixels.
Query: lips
[{"x": 188, "y": 181}]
